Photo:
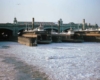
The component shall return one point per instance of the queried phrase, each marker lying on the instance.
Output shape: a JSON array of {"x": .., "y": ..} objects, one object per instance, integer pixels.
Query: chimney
[
  {"x": 59, "y": 26},
  {"x": 32, "y": 23},
  {"x": 83, "y": 24}
]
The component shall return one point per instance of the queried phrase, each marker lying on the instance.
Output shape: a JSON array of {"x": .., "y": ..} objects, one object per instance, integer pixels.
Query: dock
[{"x": 28, "y": 39}]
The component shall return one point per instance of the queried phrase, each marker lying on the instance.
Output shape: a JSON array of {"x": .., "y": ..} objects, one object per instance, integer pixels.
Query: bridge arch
[
  {"x": 5, "y": 34},
  {"x": 19, "y": 32},
  {"x": 50, "y": 29},
  {"x": 9, "y": 28},
  {"x": 65, "y": 30}
]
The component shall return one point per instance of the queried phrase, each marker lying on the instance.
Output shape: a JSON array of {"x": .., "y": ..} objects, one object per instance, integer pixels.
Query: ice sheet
[{"x": 61, "y": 61}]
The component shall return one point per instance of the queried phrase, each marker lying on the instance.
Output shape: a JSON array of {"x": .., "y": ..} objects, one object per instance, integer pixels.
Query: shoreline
[{"x": 12, "y": 68}]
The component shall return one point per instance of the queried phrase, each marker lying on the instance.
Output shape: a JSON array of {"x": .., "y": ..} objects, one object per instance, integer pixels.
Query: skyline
[{"x": 50, "y": 11}]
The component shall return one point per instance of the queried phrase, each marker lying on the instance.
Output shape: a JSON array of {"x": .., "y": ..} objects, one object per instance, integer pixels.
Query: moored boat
[
  {"x": 43, "y": 36},
  {"x": 89, "y": 35},
  {"x": 69, "y": 37}
]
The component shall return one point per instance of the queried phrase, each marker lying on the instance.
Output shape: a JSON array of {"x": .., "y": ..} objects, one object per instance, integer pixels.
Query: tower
[
  {"x": 61, "y": 22},
  {"x": 15, "y": 20}
]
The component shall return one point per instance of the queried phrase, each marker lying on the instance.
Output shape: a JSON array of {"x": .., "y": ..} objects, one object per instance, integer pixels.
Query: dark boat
[
  {"x": 43, "y": 36},
  {"x": 69, "y": 37}
]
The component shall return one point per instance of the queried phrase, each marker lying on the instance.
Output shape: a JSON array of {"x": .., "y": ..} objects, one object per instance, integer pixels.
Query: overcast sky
[{"x": 50, "y": 10}]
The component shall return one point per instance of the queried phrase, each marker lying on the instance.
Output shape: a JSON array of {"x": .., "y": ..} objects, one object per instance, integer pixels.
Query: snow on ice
[{"x": 61, "y": 61}]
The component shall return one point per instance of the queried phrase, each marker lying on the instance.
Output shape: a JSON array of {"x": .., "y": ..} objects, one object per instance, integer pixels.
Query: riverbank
[{"x": 11, "y": 68}]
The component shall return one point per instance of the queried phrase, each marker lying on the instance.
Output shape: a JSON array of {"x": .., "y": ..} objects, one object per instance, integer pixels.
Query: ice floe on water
[{"x": 61, "y": 61}]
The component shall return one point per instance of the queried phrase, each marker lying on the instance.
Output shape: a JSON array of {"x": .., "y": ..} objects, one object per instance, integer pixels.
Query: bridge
[{"x": 12, "y": 29}]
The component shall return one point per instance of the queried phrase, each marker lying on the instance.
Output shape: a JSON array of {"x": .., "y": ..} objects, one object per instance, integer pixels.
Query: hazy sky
[{"x": 50, "y": 10}]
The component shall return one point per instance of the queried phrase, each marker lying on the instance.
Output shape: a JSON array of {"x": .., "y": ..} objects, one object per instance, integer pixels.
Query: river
[{"x": 60, "y": 61}]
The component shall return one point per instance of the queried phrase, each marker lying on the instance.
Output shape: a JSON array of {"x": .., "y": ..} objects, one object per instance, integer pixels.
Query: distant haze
[{"x": 50, "y": 10}]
